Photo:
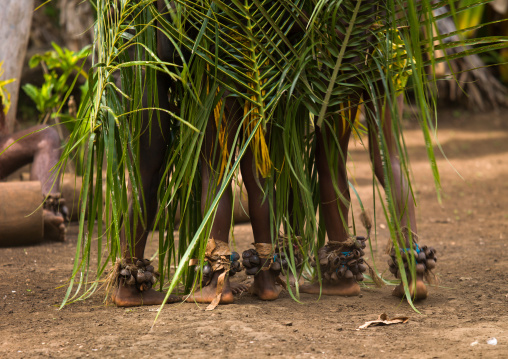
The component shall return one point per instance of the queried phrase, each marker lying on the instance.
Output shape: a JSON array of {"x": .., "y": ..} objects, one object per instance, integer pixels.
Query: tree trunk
[{"x": 15, "y": 20}]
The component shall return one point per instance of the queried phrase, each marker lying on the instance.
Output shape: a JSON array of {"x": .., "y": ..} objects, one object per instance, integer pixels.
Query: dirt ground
[{"x": 468, "y": 229}]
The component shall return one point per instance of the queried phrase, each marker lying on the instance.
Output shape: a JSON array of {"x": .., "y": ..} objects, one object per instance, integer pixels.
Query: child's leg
[
  {"x": 211, "y": 162},
  {"x": 399, "y": 186},
  {"x": 335, "y": 202},
  {"x": 151, "y": 158},
  {"x": 264, "y": 285}
]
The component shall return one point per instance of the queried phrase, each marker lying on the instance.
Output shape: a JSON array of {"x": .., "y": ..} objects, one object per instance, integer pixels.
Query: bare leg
[
  {"x": 153, "y": 145},
  {"x": 39, "y": 145},
  {"x": 335, "y": 206},
  {"x": 264, "y": 285},
  {"x": 399, "y": 187},
  {"x": 210, "y": 182}
]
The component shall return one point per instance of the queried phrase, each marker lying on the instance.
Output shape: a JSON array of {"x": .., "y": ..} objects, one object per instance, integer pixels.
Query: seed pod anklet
[{"x": 424, "y": 258}]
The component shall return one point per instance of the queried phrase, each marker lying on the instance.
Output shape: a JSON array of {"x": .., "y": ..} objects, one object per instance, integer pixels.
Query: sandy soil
[{"x": 469, "y": 230}]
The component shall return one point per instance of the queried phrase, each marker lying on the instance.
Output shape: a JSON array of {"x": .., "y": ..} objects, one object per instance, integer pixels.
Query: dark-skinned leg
[
  {"x": 153, "y": 146},
  {"x": 404, "y": 202},
  {"x": 41, "y": 147},
  {"x": 335, "y": 206},
  {"x": 210, "y": 182},
  {"x": 264, "y": 286}
]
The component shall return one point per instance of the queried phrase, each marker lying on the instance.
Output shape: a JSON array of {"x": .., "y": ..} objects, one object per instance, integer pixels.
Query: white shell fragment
[{"x": 492, "y": 341}]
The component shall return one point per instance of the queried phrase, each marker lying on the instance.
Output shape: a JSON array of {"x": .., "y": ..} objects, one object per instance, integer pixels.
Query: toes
[{"x": 240, "y": 289}]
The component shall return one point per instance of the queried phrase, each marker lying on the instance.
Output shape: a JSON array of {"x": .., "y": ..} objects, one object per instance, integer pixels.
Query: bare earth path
[{"x": 469, "y": 230}]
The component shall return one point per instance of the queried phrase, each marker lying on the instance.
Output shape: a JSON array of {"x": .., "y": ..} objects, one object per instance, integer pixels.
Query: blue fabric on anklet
[{"x": 417, "y": 248}]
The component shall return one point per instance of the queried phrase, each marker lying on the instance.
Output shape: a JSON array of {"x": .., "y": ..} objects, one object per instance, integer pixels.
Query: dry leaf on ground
[{"x": 383, "y": 320}]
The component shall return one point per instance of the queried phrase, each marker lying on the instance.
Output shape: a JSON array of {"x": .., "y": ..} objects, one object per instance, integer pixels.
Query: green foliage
[
  {"x": 288, "y": 64},
  {"x": 59, "y": 65}
]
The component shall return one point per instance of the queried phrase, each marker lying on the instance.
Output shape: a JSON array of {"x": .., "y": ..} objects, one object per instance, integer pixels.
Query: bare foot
[
  {"x": 54, "y": 227},
  {"x": 237, "y": 288},
  {"x": 417, "y": 292},
  {"x": 208, "y": 293},
  {"x": 264, "y": 286},
  {"x": 130, "y": 296},
  {"x": 343, "y": 288}
]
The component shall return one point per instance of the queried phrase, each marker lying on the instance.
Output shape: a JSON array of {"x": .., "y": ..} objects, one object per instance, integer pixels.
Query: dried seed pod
[
  {"x": 131, "y": 280},
  {"x": 207, "y": 269},
  {"x": 431, "y": 264},
  {"x": 322, "y": 254},
  {"x": 342, "y": 271},
  {"x": 323, "y": 261},
  {"x": 246, "y": 263},
  {"x": 391, "y": 263},
  {"x": 232, "y": 272},
  {"x": 153, "y": 279},
  {"x": 147, "y": 285},
  {"x": 348, "y": 274},
  {"x": 237, "y": 266},
  {"x": 140, "y": 277},
  {"x": 150, "y": 268},
  {"x": 146, "y": 262},
  {"x": 234, "y": 256},
  {"x": 393, "y": 270},
  {"x": 421, "y": 256},
  {"x": 355, "y": 269},
  {"x": 255, "y": 260},
  {"x": 420, "y": 268},
  {"x": 246, "y": 254},
  {"x": 362, "y": 253},
  {"x": 352, "y": 262},
  {"x": 284, "y": 263},
  {"x": 359, "y": 277},
  {"x": 275, "y": 266},
  {"x": 327, "y": 276},
  {"x": 252, "y": 271},
  {"x": 125, "y": 273},
  {"x": 362, "y": 267},
  {"x": 334, "y": 277},
  {"x": 139, "y": 263},
  {"x": 148, "y": 276}
]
